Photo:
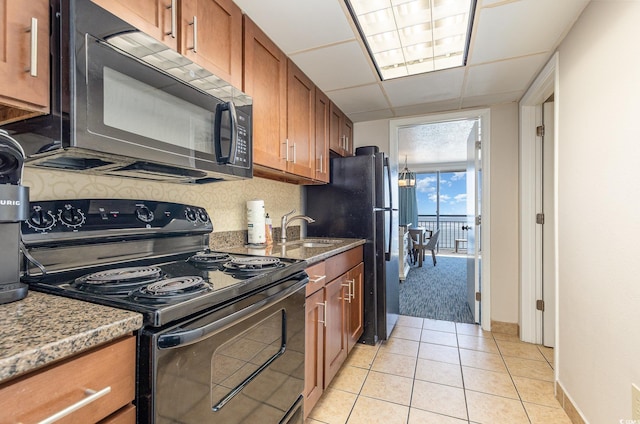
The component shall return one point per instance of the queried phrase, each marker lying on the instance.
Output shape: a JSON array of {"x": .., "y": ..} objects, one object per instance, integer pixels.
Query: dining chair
[{"x": 431, "y": 245}]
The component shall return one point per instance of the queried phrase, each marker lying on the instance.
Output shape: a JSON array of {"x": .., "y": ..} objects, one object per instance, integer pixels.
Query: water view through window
[{"x": 450, "y": 199}]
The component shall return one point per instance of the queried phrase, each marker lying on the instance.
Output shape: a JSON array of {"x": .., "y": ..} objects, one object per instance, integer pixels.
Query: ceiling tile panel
[
  {"x": 337, "y": 66},
  {"x": 503, "y": 77},
  {"x": 425, "y": 88},
  {"x": 522, "y": 27},
  {"x": 299, "y": 25},
  {"x": 360, "y": 99}
]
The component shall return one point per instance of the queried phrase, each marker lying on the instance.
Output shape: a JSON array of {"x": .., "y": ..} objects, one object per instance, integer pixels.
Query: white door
[
  {"x": 548, "y": 228},
  {"x": 474, "y": 196}
]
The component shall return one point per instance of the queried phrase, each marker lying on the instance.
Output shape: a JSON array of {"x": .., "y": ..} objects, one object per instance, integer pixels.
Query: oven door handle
[{"x": 187, "y": 337}]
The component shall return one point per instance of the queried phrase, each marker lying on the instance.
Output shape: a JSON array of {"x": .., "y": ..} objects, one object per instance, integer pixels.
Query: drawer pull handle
[
  {"x": 33, "y": 61},
  {"x": 324, "y": 310},
  {"x": 194, "y": 25},
  {"x": 317, "y": 279},
  {"x": 174, "y": 18},
  {"x": 92, "y": 397}
]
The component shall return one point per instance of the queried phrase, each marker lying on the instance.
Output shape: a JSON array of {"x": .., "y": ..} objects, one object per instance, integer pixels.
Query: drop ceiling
[{"x": 511, "y": 41}]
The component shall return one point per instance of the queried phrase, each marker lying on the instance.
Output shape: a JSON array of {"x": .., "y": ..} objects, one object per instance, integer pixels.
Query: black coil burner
[
  {"x": 210, "y": 259},
  {"x": 118, "y": 281},
  {"x": 171, "y": 289},
  {"x": 251, "y": 266}
]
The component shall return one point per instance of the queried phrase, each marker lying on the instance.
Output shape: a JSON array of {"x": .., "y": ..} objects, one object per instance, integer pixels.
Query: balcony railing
[{"x": 450, "y": 228}]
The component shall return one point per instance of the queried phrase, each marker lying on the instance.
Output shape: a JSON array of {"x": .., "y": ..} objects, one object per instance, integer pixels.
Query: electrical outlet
[{"x": 635, "y": 402}]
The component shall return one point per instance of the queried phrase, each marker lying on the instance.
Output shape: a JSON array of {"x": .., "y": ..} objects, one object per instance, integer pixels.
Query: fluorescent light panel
[{"x": 408, "y": 37}]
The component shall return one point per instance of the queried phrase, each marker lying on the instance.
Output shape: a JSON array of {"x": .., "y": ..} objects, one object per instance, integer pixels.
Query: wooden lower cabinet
[
  {"x": 355, "y": 317},
  {"x": 335, "y": 342},
  {"x": 109, "y": 369},
  {"x": 334, "y": 319}
]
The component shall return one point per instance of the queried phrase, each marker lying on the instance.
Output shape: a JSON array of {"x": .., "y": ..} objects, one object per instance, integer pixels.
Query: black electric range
[{"x": 145, "y": 256}]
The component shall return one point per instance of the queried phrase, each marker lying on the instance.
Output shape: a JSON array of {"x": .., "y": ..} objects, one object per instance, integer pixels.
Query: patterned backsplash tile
[{"x": 224, "y": 201}]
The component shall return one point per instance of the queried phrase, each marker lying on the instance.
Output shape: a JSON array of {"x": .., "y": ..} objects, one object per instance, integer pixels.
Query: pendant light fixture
[{"x": 406, "y": 178}]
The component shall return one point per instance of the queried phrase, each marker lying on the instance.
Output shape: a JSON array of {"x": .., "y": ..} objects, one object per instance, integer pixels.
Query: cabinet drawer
[
  {"x": 41, "y": 394},
  {"x": 339, "y": 264},
  {"x": 317, "y": 277}
]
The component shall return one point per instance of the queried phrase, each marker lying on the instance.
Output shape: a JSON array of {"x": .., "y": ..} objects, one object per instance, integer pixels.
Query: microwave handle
[{"x": 229, "y": 108}]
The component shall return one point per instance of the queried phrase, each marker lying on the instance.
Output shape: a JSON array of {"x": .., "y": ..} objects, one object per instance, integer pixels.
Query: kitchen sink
[{"x": 309, "y": 243}]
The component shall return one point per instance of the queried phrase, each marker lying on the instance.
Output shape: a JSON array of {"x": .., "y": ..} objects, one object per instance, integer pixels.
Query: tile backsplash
[{"x": 224, "y": 201}]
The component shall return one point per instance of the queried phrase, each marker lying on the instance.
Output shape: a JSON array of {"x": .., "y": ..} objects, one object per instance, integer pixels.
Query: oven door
[
  {"x": 137, "y": 110},
  {"x": 239, "y": 364}
]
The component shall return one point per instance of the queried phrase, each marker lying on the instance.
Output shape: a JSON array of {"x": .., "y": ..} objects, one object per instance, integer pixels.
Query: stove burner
[
  {"x": 209, "y": 259},
  {"x": 250, "y": 266},
  {"x": 118, "y": 281},
  {"x": 255, "y": 262},
  {"x": 172, "y": 285},
  {"x": 171, "y": 289}
]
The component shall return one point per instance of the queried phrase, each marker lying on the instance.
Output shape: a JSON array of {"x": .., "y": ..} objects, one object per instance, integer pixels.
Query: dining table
[{"x": 419, "y": 237}]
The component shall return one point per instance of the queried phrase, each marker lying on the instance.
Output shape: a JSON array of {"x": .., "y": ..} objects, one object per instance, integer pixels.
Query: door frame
[
  {"x": 545, "y": 84},
  {"x": 485, "y": 229}
]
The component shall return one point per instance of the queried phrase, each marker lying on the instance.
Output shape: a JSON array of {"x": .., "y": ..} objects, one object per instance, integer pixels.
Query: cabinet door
[
  {"x": 322, "y": 136},
  {"x": 301, "y": 95},
  {"x": 24, "y": 58},
  {"x": 157, "y": 18},
  {"x": 265, "y": 79},
  {"x": 109, "y": 369},
  {"x": 314, "y": 349},
  {"x": 347, "y": 133},
  {"x": 355, "y": 323},
  {"x": 336, "y": 141},
  {"x": 211, "y": 36},
  {"x": 335, "y": 348}
]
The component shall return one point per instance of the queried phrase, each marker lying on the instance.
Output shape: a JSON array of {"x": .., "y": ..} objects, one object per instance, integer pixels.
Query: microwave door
[{"x": 226, "y": 133}]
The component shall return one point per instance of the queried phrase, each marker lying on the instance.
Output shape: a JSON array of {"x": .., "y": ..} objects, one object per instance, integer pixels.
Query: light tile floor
[{"x": 439, "y": 372}]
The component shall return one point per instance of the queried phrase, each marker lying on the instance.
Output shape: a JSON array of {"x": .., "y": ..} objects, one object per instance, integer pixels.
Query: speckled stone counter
[
  {"x": 43, "y": 328},
  {"x": 311, "y": 255}
]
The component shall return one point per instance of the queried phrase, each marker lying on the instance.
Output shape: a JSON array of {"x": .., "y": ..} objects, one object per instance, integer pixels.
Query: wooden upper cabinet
[
  {"x": 301, "y": 103},
  {"x": 341, "y": 132},
  {"x": 24, "y": 59},
  {"x": 157, "y": 18},
  {"x": 322, "y": 136},
  {"x": 347, "y": 132},
  {"x": 265, "y": 79},
  {"x": 211, "y": 36}
]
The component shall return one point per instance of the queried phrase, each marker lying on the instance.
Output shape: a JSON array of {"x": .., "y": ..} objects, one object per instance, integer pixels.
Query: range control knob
[
  {"x": 71, "y": 216},
  {"x": 202, "y": 215},
  {"x": 144, "y": 214},
  {"x": 191, "y": 215},
  {"x": 41, "y": 220}
]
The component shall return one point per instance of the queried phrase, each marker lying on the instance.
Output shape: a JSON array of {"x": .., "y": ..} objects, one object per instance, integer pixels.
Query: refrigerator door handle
[{"x": 387, "y": 254}]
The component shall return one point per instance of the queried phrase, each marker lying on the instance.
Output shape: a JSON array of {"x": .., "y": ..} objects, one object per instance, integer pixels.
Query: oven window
[
  {"x": 138, "y": 108},
  {"x": 235, "y": 363}
]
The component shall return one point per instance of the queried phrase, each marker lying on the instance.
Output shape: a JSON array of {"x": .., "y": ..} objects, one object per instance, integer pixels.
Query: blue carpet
[{"x": 438, "y": 292}]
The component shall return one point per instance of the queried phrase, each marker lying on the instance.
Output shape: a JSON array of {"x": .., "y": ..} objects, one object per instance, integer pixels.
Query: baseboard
[
  {"x": 510, "y": 328},
  {"x": 568, "y": 406}
]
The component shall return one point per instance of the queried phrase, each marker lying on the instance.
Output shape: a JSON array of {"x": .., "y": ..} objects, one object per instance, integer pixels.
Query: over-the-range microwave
[{"x": 124, "y": 104}]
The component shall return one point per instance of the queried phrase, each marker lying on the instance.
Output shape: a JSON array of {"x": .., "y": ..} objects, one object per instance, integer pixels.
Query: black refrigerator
[{"x": 359, "y": 203}]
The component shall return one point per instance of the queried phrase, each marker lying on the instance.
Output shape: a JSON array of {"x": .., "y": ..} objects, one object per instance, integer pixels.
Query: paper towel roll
[{"x": 255, "y": 222}]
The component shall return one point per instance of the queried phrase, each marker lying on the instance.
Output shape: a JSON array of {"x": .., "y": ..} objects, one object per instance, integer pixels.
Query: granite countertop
[
  {"x": 293, "y": 249},
  {"x": 43, "y": 328}
]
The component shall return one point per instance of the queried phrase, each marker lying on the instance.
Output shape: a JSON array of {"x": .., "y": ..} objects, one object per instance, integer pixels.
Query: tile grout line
[
  {"x": 464, "y": 387},
  {"x": 515, "y": 386}
]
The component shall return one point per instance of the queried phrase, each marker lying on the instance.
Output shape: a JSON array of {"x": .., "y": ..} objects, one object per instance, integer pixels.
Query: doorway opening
[{"x": 444, "y": 152}]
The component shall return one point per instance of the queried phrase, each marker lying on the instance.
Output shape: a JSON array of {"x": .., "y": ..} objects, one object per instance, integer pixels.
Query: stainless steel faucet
[{"x": 286, "y": 221}]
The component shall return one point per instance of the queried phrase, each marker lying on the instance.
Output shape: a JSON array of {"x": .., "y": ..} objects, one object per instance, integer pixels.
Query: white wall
[
  {"x": 504, "y": 202},
  {"x": 505, "y": 292},
  {"x": 599, "y": 210}
]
